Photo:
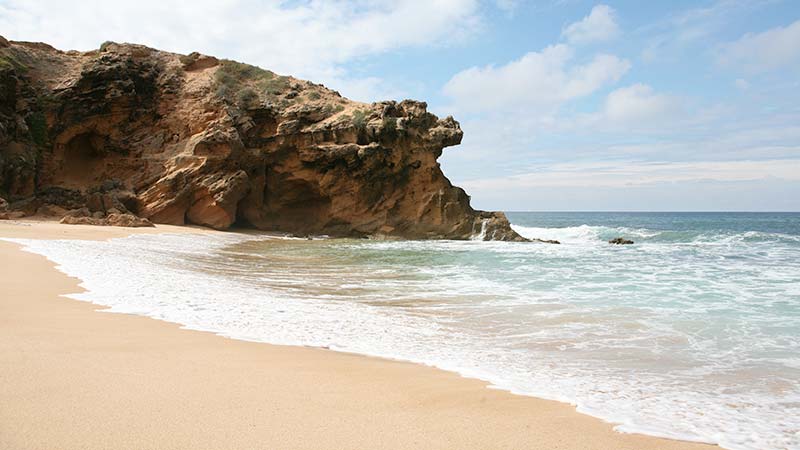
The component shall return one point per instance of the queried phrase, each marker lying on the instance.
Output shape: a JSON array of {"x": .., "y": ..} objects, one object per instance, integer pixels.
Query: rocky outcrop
[
  {"x": 3, "y": 209},
  {"x": 620, "y": 241},
  {"x": 113, "y": 219},
  {"x": 176, "y": 139}
]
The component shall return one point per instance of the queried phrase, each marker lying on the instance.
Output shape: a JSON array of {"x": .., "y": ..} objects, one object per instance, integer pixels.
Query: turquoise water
[
  {"x": 693, "y": 332},
  {"x": 670, "y": 225}
]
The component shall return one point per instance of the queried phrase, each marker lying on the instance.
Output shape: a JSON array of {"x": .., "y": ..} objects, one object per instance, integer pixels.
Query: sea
[{"x": 692, "y": 332}]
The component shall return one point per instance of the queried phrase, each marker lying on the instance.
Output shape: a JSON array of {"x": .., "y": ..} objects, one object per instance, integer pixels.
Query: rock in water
[
  {"x": 194, "y": 139},
  {"x": 620, "y": 241}
]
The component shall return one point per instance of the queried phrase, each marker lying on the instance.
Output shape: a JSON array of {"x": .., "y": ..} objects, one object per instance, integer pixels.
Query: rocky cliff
[{"x": 132, "y": 131}]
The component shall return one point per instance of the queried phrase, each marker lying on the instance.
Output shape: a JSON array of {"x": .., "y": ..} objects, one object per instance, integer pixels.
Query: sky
[{"x": 565, "y": 104}]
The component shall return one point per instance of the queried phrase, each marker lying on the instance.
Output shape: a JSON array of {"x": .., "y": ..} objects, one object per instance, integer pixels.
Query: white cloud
[
  {"x": 760, "y": 52},
  {"x": 368, "y": 89},
  {"x": 600, "y": 25},
  {"x": 767, "y": 185},
  {"x": 621, "y": 174},
  {"x": 639, "y": 104},
  {"x": 670, "y": 38},
  {"x": 633, "y": 110},
  {"x": 537, "y": 81},
  {"x": 315, "y": 40},
  {"x": 508, "y": 6},
  {"x": 741, "y": 83}
]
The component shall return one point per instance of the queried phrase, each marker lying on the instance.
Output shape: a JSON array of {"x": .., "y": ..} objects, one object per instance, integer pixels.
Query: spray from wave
[{"x": 591, "y": 235}]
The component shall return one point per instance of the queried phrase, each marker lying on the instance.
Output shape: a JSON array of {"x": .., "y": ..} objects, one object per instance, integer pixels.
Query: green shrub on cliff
[
  {"x": 242, "y": 82},
  {"x": 186, "y": 59},
  {"x": 223, "y": 91},
  {"x": 274, "y": 85},
  {"x": 360, "y": 120},
  {"x": 242, "y": 72},
  {"x": 246, "y": 98},
  {"x": 331, "y": 110},
  {"x": 389, "y": 129},
  {"x": 9, "y": 61}
]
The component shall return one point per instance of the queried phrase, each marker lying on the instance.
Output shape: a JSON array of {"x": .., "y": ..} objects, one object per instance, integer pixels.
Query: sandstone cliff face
[{"x": 182, "y": 139}]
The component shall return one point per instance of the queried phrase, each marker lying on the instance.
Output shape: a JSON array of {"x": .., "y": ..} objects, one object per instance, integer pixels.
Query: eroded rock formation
[{"x": 129, "y": 130}]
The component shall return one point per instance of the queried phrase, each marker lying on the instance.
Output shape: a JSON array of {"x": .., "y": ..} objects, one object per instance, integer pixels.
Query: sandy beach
[{"x": 75, "y": 378}]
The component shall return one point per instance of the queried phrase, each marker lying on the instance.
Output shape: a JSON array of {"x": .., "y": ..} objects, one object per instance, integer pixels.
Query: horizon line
[{"x": 645, "y": 211}]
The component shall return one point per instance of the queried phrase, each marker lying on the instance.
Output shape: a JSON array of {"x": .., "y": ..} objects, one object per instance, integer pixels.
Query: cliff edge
[{"x": 127, "y": 130}]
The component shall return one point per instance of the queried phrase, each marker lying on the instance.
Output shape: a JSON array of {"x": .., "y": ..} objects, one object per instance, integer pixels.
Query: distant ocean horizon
[
  {"x": 655, "y": 211},
  {"x": 693, "y": 332}
]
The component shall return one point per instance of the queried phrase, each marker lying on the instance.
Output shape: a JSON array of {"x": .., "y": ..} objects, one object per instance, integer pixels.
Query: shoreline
[{"x": 125, "y": 381}]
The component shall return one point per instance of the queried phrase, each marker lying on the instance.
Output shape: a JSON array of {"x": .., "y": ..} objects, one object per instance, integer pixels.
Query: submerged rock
[
  {"x": 620, "y": 241},
  {"x": 182, "y": 139}
]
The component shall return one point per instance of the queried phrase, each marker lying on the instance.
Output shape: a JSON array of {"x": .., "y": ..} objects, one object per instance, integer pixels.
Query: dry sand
[{"x": 74, "y": 378}]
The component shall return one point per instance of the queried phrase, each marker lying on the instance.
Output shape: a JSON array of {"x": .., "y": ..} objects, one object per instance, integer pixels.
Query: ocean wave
[{"x": 594, "y": 234}]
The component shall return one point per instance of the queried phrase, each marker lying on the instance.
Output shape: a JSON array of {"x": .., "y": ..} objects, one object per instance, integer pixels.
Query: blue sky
[{"x": 565, "y": 104}]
